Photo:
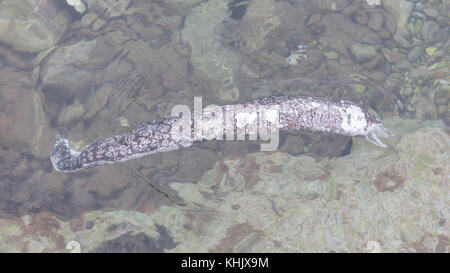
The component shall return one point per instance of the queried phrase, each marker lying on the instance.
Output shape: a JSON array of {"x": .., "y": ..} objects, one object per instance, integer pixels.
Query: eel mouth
[{"x": 376, "y": 131}]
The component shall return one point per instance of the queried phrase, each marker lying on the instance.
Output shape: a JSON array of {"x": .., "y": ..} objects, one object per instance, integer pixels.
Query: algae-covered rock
[
  {"x": 396, "y": 199},
  {"x": 208, "y": 56}
]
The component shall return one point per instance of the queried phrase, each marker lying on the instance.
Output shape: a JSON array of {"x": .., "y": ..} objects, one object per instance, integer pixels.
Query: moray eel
[{"x": 261, "y": 118}]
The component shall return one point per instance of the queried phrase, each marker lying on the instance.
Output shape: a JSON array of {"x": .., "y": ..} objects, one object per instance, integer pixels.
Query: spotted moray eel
[{"x": 258, "y": 118}]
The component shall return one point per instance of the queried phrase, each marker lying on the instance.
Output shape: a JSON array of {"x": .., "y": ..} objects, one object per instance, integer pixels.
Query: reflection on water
[{"x": 90, "y": 72}]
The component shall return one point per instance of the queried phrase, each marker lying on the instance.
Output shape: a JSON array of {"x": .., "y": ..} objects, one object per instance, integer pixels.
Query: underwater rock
[
  {"x": 229, "y": 94},
  {"x": 192, "y": 170},
  {"x": 99, "y": 100},
  {"x": 259, "y": 20},
  {"x": 331, "y": 55},
  {"x": 431, "y": 12},
  {"x": 88, "y": 19},
  {"x": 208, "y": 56},
  {"x": 415, "y": 54},
  {"x": 401, "y": 9},
  {"x": 429, "y": 30},
  {"x": 182, "y": 5},
  {"x": 425, "y": 109},
  {"x": 393, "y": 81},
  {"x": 442, "y": 95},
  {"x": 117, "y": 69},
  {"x": 401, "y": 37},
  {"x": 22, "y": 120},
  {"x": 330, "y": 6},
  {"x": 361, "y": 17},
  {"x": 375, "y": 21},
  {"x": 363, "y": 53},
  {"x": 108, "y": 8},
  {"x": 66, "y": 80},
  {"x": 421, "y": 72},
  {"x": 88, "y": 54},
  {"x": 341, "y": 33},
  {"x": 98, "y": 24},
  {"x": 68, "y": 71},
  {"x": 293, "y": 145},
  {"x": 139, "y": 243},
  {"x": 31, "y": 26},
  {"x": 161, "y": 67},
  {"x": 390, "y": 55},
  {"x": 71, "y": 113}
]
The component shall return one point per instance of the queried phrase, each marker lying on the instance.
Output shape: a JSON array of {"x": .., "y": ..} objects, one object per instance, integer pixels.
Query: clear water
[{"x": 116, "y": 65}]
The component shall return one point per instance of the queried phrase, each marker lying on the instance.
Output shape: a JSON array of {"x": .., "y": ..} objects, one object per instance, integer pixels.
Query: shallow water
[{"x": 92, "y": 74}]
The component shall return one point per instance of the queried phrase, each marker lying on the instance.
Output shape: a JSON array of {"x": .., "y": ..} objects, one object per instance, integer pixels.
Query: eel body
[{"x": 262, "y": 118}]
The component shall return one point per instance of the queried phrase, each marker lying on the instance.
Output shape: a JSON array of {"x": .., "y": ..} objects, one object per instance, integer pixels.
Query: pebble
[
  {"x": 441, "y": 97},
  {"x": 331, "y": 55},
  {"x": 430, "y": 12},
  {"x": 429, "y": 30},
  {"x": 393, "y": 81},
  {"x": 293, "y": 145},
  {"x": 361, "y": 17},
  {"x": 442, "y": 21},
  {"x": 419, "y": 6},
  {"x": 358, "y": 88},
  {"x": 390, "y": 55},
  {"x": 362, "y": 53},
  {"x": 420, "y": 72},
  {"x": 98, "y": 24},
  {"x": 227, "y": 94},
  {"x": 70, "y": 113},
  {"x": 407, "y": 91},
  {"x": 88, "y": 19},
  {"x": 414, "y": 54},
  {"x": 372, "y": 38},
  {"x": 375, "y": 21},
  {"x": 27, "y": 219},
  {"x": 313, "y": 19},
  {"x": 404, "y": 65},
  {"x": 400, "y": 38}
]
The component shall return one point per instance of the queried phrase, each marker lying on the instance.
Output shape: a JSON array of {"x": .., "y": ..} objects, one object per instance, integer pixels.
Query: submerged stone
[
  {"x": 362, "y": 52},
  {"x": 31, "y": 26}
]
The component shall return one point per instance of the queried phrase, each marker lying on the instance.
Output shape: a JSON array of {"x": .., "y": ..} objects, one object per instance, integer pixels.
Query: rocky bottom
[{"x": 389, "y": 200}]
